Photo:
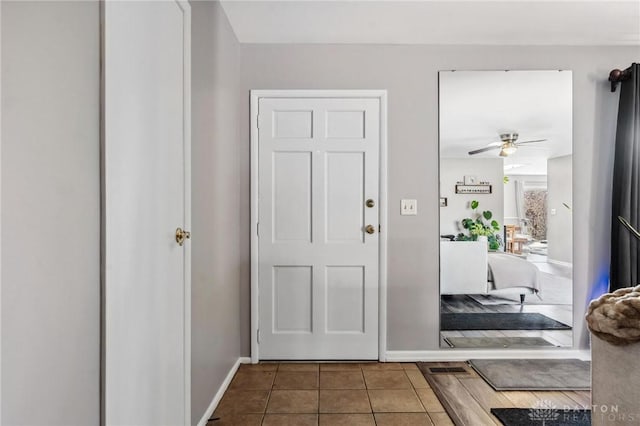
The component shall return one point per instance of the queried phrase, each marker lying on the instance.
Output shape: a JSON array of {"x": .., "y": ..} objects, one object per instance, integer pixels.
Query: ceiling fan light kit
[
  {"x": 508, "y": 146},
  {"x": 509, "y": 137},
  {"x": 507, "y": 149}
]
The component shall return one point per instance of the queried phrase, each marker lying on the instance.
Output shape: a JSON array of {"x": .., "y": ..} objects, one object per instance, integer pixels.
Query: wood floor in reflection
[{"x": 465, "y": 304}]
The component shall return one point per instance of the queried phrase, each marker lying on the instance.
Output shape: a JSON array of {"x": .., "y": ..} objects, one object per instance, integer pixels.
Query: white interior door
[
  {"x": 318, "y": 266},
  {"x": 146, "y": 197}
]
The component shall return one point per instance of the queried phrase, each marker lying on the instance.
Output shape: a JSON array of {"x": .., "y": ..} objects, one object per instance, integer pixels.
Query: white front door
[
  {"x": 146, "y": 197},
  {"x": 318, "y": 265}
]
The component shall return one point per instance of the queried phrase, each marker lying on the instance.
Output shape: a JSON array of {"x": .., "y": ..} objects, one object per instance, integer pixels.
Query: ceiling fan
[{"x": 508, "y": 145}]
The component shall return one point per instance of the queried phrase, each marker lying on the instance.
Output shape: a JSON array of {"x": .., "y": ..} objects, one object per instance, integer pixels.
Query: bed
[{"x": 466, "y": 267}]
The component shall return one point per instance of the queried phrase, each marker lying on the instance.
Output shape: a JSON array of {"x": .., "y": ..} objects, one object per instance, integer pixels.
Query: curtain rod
[{"x": 616, "y": 76}]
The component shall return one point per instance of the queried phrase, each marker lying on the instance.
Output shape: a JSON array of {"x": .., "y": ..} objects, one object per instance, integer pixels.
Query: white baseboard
[
  {"x": 465, "y": 354},
  {"x": 222, "y": 389},
  {"x": 560, "y": 263}
]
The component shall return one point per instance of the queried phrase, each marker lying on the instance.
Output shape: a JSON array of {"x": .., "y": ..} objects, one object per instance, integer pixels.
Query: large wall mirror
[{"x": 505, "y": 209}]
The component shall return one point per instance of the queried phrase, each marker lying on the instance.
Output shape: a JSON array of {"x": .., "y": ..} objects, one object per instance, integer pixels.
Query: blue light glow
[{"x": 601, "y": 285}]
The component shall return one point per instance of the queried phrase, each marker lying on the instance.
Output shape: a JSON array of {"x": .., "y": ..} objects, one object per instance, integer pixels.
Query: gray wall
[
  {"x": 559, "y": 225},
  {"x": 453, "y": 170},
  {"x": 216, "y": 201},
  {"x": 50, "y": 213},
  {"x": 409, "y": 73}
]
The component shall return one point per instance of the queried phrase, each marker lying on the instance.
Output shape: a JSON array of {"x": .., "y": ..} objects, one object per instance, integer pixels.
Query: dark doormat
[
  {"x": 534, "y": 374},
  {"x": 497, "y": 342},
  {"x": 542, "y": 416},
  {"x": 499, "y": 321}
]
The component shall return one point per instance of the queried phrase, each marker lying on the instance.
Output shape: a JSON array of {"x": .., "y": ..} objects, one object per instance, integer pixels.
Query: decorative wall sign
[{"x": 473, "y": 189}]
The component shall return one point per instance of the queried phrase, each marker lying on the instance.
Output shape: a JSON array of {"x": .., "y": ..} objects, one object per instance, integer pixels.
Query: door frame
[
  {"x": 381, "y": 95},
  {"x": 186, "y": 31}
]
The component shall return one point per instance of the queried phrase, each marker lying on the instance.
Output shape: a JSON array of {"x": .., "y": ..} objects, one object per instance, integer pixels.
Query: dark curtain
[{"x": 625, "y": 268}]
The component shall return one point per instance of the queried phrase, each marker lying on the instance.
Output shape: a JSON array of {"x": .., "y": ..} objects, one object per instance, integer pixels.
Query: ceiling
[
  {"x": 474, "y": 22},
  {"x": 477, "y": 106}
]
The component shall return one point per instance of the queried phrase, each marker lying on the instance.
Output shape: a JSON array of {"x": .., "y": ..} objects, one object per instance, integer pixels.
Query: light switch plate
[{"x": 408, "y": 207}]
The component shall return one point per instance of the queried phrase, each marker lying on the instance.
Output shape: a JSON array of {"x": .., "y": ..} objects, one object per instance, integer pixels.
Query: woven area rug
[
  {"x": 542, "y": 416},
  {"x": 534, "y": 374},
  {"x": 497, "y": 342},
  {"x": 499, "y": 321}
]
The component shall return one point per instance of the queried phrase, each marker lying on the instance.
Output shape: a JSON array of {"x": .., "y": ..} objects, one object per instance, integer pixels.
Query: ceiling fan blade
[
  {"x": 533, "y": 141},
  {"x": 485, "y": 149}
]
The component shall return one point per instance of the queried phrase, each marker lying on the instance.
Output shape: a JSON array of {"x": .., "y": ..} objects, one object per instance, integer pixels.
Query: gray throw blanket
[{"x": 507, "y": 270}]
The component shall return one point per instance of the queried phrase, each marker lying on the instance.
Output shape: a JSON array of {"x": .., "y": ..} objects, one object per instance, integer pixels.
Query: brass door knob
[
  {"x": 182, "y": 235},
  {"x": 370, "y": 203},
  {"x": 369, "y": 229}
]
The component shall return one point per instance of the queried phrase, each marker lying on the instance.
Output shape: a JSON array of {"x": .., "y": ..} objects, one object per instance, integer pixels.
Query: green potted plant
[{"x": 481, "y": 226}]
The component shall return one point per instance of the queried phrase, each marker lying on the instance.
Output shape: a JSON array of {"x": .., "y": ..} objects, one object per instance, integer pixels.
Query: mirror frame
[{"x": 443, "y": 202}]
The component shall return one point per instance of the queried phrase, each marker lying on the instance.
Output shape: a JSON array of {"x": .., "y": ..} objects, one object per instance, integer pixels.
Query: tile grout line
[
  {"x": 413, "y": 387},
  {"x": 366, "y": 388},
  {"x": 418, "y": 396},
  {"x": 364, "y": 380},
  {"x": 266, "y": 405}
]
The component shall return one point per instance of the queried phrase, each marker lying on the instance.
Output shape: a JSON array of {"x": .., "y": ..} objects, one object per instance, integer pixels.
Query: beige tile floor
[{"x": 353, "y": 394}]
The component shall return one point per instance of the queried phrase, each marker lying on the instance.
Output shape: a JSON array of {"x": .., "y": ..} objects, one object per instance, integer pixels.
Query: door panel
[
  {"x": 292, "y": 196},
  {"x": 292, "y": 299},
  {"x": 318, "y": 268},
  {"x": 292, "y": 124},
  {"x": 345, "y": 192},
  {"x": 345, "y": 125},
  {"x": 345, "y": 299},
  {"x": 145, "y": 188}
]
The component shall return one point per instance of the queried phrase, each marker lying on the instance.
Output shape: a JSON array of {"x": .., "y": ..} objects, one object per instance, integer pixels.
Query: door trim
[
  {"x": 256, "y": 95},
  {"x": 186, "y": 102},
  {"x": 186, "y": 31},
  {"x": 0, "y": 223}
]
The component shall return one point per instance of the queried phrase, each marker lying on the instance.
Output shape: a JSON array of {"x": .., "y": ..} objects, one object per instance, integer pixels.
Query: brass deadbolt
[{"x": 370, "y": 203}]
